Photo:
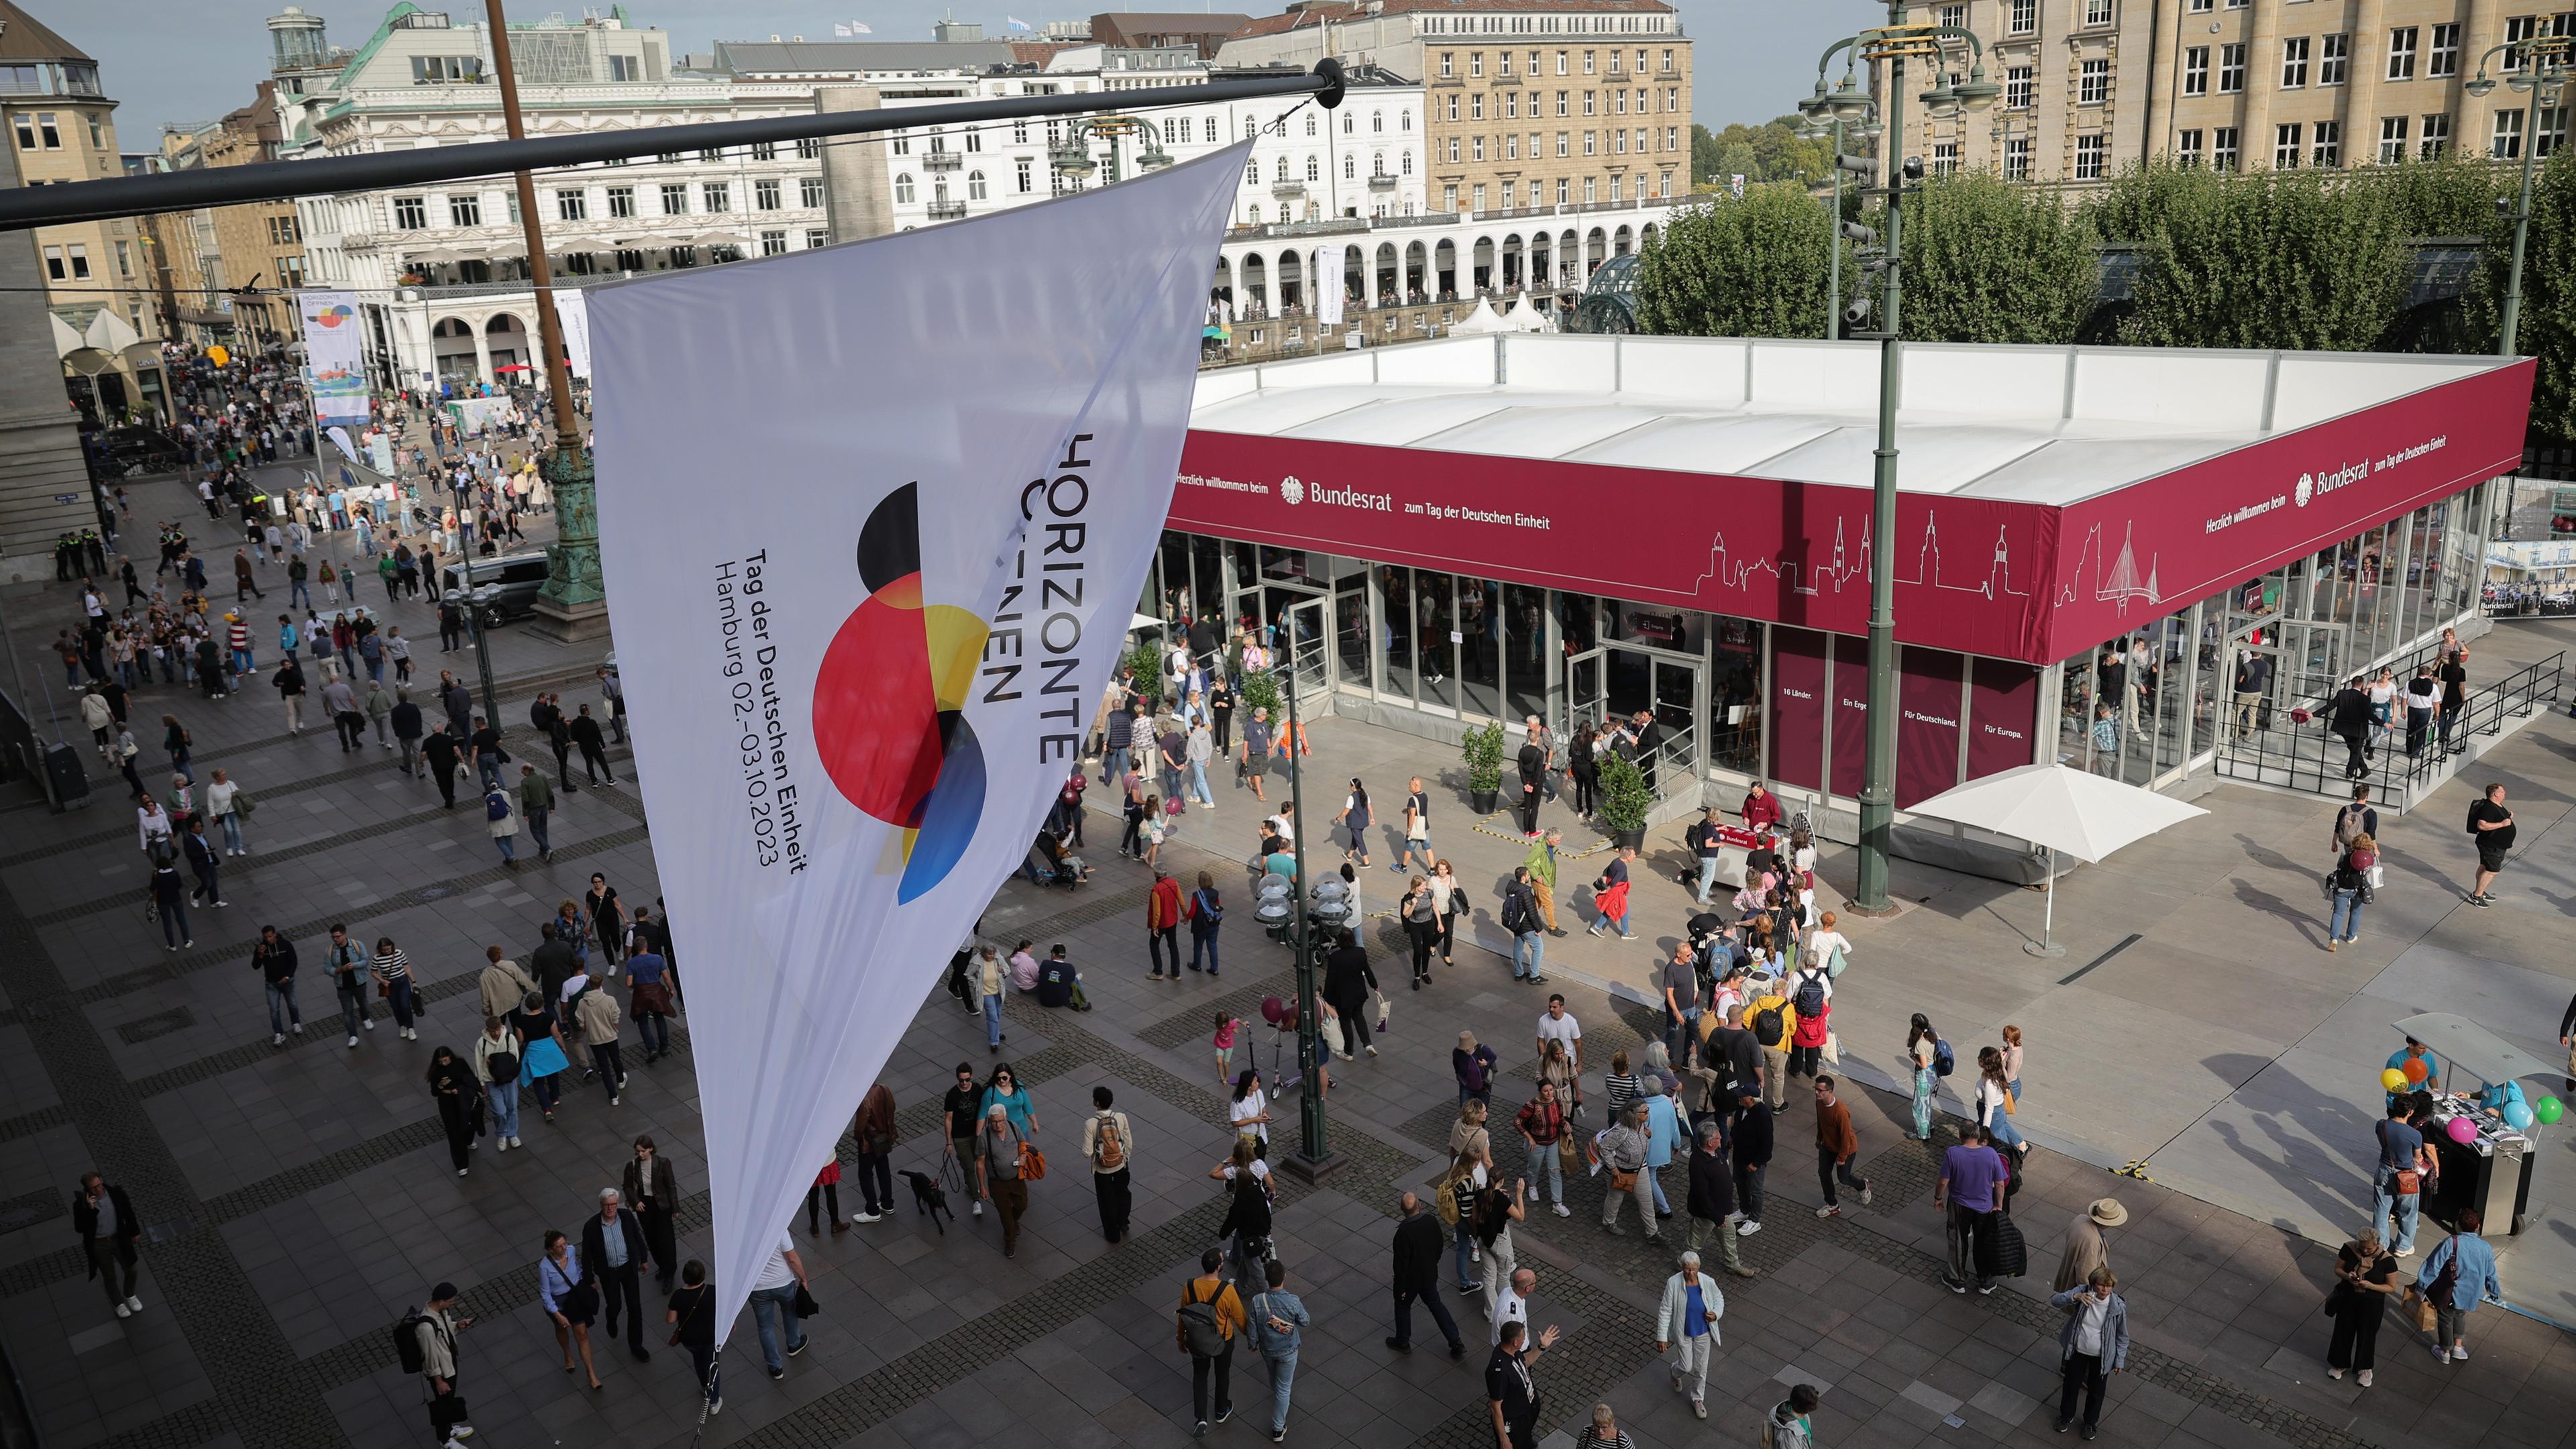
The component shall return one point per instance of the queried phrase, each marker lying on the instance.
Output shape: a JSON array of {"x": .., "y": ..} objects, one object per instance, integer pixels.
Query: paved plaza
[{"x": 297, "y": 1199}]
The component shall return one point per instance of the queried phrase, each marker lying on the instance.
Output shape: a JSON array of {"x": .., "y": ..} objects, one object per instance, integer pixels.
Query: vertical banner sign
[
  {"x": 1927, "y": 722},
  {"x": 572, "y": 313},
  {"x": 2003, "y": 709},
  {"x": 857, "y": 685},
  {"x": 334, "y": 352},
  {"x": 1330, "y": 278},
  {"x": 1851, "y": 715},
  {"x": 1797, "y": 707}
]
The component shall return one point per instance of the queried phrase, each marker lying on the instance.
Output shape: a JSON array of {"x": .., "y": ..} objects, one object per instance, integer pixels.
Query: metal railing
[{"x": 2272, "y": 747}]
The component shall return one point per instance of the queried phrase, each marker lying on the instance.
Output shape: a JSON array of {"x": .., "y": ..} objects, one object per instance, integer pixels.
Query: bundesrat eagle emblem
[
  {"x": 1294, "y": 492},
  {"x": 2307, "y": 488}
]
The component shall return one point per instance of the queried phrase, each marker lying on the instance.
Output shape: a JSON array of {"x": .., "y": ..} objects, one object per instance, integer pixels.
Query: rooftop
[
  {"x": 24, "y": 37},
  {"x": 1316, "y": 13},
  {"x": 2044, "y": 425}
]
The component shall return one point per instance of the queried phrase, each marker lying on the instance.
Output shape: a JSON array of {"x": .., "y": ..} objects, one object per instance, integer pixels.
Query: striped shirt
[{"x": 391, "y": 966}]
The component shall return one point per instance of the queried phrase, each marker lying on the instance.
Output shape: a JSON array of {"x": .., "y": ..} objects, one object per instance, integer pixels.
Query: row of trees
[
  {"x": 1772, "y": 151},
  {"x": 2308, "y": 260}
]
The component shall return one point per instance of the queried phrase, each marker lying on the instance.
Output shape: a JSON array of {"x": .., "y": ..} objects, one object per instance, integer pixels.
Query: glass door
[
  {"x": 1304, "y": 637},
  {"x": 1586, "y": 697},
  {"x": 1677, "y": 715}
]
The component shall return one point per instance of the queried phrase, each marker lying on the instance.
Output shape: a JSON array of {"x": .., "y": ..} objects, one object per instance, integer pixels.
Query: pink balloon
[{"x": 2463, "y": 1131}]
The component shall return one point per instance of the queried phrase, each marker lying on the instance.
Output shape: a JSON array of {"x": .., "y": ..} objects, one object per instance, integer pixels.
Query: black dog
[{"x": 929, "y": 1197}]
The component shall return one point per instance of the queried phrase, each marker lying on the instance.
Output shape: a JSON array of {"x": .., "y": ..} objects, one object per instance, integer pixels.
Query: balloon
[
  {"x": 2463, "y": 1131},
  {"x": 2517, "y": 1116},
  {"x": 2548, "y": 1109},
  {"x": 2393, "y": 1079},
  {"x": 2415, "y": 1069},
  {"x": 217, "y": 355}
]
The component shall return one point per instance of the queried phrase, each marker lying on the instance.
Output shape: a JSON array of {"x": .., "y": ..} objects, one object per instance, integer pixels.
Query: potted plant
[
  {"x": 1483, "y": 751},
  {"x": 1260, "y": 690},
  {"x": 1624, "y": 800},
  {"x": 1146, "y": 660}
]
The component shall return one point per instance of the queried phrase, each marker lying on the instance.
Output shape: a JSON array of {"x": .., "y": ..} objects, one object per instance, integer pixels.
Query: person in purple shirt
[{"x": 1972, "y": 1177}]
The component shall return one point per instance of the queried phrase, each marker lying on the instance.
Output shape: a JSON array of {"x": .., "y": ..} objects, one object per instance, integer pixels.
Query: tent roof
[
  {"x": 2467, "y": 1047},
  {"x": 2043, "y": 425}
]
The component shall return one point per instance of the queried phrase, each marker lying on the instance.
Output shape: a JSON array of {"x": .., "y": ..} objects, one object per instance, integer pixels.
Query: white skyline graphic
[{"x": 1843, "y": 565}]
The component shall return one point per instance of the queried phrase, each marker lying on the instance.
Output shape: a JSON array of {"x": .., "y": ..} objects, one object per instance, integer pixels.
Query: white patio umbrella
[{"x": 2062, "y": 811}]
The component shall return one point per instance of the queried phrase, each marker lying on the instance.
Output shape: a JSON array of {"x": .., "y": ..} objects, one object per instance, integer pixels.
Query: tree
[
  {"x": 1988, "y": 261},
  {"x": 1772, "y": 151},
  {"x": 1729, "y": 268},
  {"x": 2548, "y": 326},
  {"x": 2295, "y": 260}
]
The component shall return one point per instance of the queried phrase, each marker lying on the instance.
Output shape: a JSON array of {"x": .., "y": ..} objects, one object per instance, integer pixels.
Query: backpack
[
  {"x": 2473, "y": 814},
  {"x": 1209, "y": 910},
  {"x": 1447, "y": 1203},
  {"x": 1767, "y": 1025},
  {"x": 1109, "y": 1152},
  {"x": 1810, "y": 999},
  {"x": 1516, "y": 913},
  {"x": 1944, "y": 1060},
  {"x": 496, "y": 806},
  {"x": 504, "y": 1066},
  {"x": 2348, "y": 824},
  {"x": 407, "y": 1341},
  {"x": 1201, "y": 1334}
]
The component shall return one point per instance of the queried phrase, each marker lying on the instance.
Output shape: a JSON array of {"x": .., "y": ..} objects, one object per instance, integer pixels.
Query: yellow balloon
[
  {"x": 2393, "y": 1079},
  {"x": 218, "y": 355}
]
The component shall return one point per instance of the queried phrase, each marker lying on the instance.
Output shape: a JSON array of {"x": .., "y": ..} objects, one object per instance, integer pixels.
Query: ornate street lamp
[{"x": 2543, "y": 67}]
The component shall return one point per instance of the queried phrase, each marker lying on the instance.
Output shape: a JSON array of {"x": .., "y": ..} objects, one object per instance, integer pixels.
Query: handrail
[{"x": 2306, "y": 756}]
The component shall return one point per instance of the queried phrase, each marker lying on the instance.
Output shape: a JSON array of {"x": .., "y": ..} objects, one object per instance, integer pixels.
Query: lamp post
[
  {"x": 1314, "y": 1160},
  {"x": 2545, "y": 65},
  {"x": 1074, "y": 157},
  {"x": 1891, "y": 43},
  {"x": 573, "y": 604}
]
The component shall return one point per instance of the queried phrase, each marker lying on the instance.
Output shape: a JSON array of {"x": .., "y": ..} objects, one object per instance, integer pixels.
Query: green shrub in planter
[
  {"x": 1147, "y": 661},
  {"x": 1482, "y": 749},
  {"x": 1260, "y": 690},
  {"x": 1624, "y": 796}
]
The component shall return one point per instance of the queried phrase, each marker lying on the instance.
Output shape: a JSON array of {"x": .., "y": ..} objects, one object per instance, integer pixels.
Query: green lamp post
[
  {"x": 2542, "y": 67},
  {"x": 1891, "y": 44}
]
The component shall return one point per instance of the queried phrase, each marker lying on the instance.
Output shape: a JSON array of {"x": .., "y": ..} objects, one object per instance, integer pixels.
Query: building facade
[
  {"x": 1530, "y": 104},
  {"x": 261, "y": 244},
  {"x": 62, "y": 126},
  {"x": 2091, "y": 86}
]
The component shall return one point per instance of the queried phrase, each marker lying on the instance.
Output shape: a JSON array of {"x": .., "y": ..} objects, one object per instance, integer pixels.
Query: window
[
  {"x": 2392, "y": 140},
  {"x": 621, "y": 201},
  {"x": 571, "y": 205},
  {"x": 465, "y": 210},
  {"x": 1476, "y": 106},
  {"x": 1564, "y": 143},
  {"x": 2294, "y": 62},
  {"x": 446, "y": 70},
  {"x": 1668, "y": 60},
  {"x": 97, "y": 137},
  {"x": 2188, "y": 147},
  {"x": 2401, "y": 53},
  {"x": 1406, "y": 161},
  {"x": 1563, "y": 190},
  {"x": 1449, "y": 197},
  {"x": 2200, "y": 6},
  {"x": 2089, "y": 153},
  {"x": 773, "y": 243},
  {"x": 1502, "y": 63},
  {"x": 817, "y": 238},
  {"x": 2016, "y": 158},
  {"x": 2286, "y": 140},
  {"x": 2223, "y": 150},
  {"x": 1591, "y": 103},
  {"x": 26, "y": 131},
  {"x": 1955, "y": 16},
  {"x": 1477, "y": 149},
  {"x": 1561, "y": 57},
  {"x": 809, "y": 191},
  {"x": 764, "y": 150},
  {"x": 2437, "y": 136},
  {"x": 975, "y": 188},
  {"x": 1475, "y": 63},
  {"x": 1027, "y": 184},
  {"x": 2334, "y": 59},
  {"x": 1589, "y": 143},
  {"x": 1945, "y": 158},
  {"x": 2231, "y": 68},
  {"x": 2024, "y": 19},
  {"x": 1587, "y": 62},
  {"x": 630, "y": 261},
  {"x": 1350, "y": 168},
  {"x": 903, "y": 189},
  {"x": 2093, "y": 82},
  {"x": 2549, "y": 133},
  {"x": 765, "y": 194},
  {"x": 2097, "y": 12},
  {"x": 80, "y": 262},
  {"x": 1448, "y": 69},
  {"x": 2019, "y": 88},
  {"x": 712, "y": 155},
  {"x": 2328, "y": 152},
  {"x": 1589, "y": 195},
  {"x": 1562, "y": 97},
  {"x": 2195, "y": 70},
  {"x": 718, "y": 196},
  {"x": 411, "y": 213},
  {"x": 668, "y": 158},
  {"x": 1209, "y": 134},
  {"x": 2444, "y": 58},
  {"x": 626, "y": 67},
  {"x": 1315, "y": 170},
  {"x": 1479, "y": 202},
  {"x": 810, "y": 148},
  {"x": 675, "y": 199},
  {"x": 2507, "y": 144},
  {"x": 54, "y": 264}
]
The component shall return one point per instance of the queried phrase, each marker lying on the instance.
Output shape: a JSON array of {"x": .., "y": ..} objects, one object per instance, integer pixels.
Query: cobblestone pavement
[{"x": 297, "y": 1199}]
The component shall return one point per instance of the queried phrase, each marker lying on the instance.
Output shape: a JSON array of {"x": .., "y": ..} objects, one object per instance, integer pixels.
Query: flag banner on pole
[
  {"x": 1016, "y": 22},
  {"x": 1328, "y": 272},
  {"x": 857, "y": 28},
  {"x": 840, "y": 31},
  {"x": 572, "y": 314},
  {"x": 873, "y": 528},
  {"x": 334, "y": 355}
]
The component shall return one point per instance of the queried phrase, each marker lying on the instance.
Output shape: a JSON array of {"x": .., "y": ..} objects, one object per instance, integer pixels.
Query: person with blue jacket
[
  {"x": 2093, "y": 1344},
  {"x": 1667, "y": 1137},
  {"x": 2454, "y": 1277},
  {"x": 1277, "y": 1318}
]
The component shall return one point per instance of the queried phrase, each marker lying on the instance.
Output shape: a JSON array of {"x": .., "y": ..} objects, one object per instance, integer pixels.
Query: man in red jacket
[{"x": 1162, "y": 923}]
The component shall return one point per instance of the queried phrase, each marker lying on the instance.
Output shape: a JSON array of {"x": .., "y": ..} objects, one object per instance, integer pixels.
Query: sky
[{"x": 183, "y": 62}]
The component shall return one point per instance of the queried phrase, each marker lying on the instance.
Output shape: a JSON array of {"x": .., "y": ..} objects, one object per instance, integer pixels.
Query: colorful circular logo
[
  {"x": 890, "y": 699},
  {"x": 333, "y": 315}
]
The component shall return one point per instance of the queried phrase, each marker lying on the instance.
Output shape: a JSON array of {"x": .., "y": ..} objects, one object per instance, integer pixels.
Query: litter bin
[{"x": 69, "y": 782}]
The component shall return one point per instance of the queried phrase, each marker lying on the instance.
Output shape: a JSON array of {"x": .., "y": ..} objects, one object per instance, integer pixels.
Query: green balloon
[{"x": 2548, "y": 1109}]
